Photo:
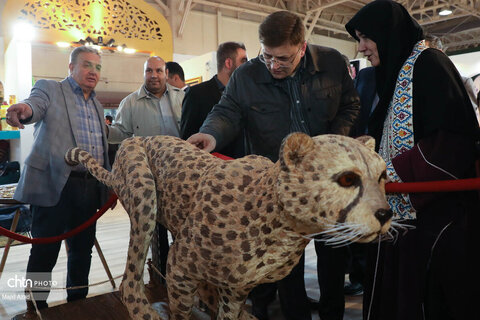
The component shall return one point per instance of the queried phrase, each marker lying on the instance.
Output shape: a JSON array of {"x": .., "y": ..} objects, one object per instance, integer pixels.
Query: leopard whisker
[
  {"x": 331, "y": 228},
  {"x": 325, "y": 236},
  {"x": 396, "y": 229},
  {"x": 340, "y": 242},
  {"x": 379, "y": 238},
  {"x": 351, "y": 240},
  {"x": 390, "y": 236},
  {"x": 399, "y": 226},
  {"x": 344, "y": 239},
  {"x": 338, "y": 234}
]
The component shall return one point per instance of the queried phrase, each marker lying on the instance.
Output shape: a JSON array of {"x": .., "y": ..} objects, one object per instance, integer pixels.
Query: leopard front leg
[{"x": 231, "y": 305}]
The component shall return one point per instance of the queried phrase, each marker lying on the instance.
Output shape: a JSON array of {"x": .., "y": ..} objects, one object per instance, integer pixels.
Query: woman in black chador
[{"x": 425, "y": 130}]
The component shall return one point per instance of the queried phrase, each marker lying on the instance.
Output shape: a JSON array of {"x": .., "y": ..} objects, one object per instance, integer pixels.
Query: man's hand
[
  {"x": 203, "y": 141},
  {"x": 17, "y": 112}
]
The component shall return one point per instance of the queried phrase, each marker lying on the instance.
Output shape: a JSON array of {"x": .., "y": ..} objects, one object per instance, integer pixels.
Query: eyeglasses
[{"x": 282, "y": 62}]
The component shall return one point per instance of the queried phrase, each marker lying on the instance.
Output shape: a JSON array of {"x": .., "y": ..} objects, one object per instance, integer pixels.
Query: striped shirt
[
  {"x": 297, "y": 116},
  {"x": 291, "y": 85},
  {"x": 89, "y": 134}
]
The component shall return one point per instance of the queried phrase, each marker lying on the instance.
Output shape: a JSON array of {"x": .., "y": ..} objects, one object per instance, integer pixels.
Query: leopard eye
[
  {"x": 348, "y": 179},
  {"x": 383, "y": 176}
]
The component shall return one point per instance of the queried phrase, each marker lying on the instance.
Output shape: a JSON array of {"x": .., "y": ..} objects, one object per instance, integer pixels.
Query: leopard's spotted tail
[{"x": 76, "y": 156}]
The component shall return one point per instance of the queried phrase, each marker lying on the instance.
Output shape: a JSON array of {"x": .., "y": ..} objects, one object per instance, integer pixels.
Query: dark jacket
[
  {"x": 366, "y": 88},
  {"x": 198, "y": 102},
  {"x": 256, "y": 102}
]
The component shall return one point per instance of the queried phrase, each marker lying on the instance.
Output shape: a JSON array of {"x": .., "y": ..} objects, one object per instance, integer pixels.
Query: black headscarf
[{"x": 395, "y": 32}]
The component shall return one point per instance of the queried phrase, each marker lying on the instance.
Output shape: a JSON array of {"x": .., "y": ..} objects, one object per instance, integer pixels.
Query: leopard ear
[
  {"x": 368, "y": 141},
  {"x": 294, "y": 148}
]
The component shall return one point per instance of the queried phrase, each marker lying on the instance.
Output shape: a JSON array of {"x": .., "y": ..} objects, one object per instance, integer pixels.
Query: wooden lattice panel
[{"x": 94, "y": 17}]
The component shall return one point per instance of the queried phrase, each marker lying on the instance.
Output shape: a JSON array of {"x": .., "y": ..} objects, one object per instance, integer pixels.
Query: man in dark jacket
[
  {"x": 289, "y": 87},
  {"x": 201, "y": 98}
]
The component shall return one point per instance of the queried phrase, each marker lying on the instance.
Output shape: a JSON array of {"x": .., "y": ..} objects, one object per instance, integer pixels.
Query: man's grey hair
[{"x": 74, "y": 54}]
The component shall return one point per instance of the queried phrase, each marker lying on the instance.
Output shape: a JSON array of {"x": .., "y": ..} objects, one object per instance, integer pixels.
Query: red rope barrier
[
  {"x": 80, "y": 228},
  {"x": 434, "y": 186}
]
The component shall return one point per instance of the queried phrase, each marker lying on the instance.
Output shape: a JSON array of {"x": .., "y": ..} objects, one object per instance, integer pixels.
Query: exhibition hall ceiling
[
  {"x": 459, "y": 30},
  {"x": 457, "y": 23}
]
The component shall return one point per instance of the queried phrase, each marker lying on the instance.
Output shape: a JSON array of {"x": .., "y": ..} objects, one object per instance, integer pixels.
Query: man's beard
[{"x": 230, "y": 72}]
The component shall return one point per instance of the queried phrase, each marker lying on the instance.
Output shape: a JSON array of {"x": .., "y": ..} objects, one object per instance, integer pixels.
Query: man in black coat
[{"x": 200, "y": 99}]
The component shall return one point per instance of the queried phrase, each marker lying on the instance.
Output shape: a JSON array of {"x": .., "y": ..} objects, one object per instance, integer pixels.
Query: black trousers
[
  {"x": 160, "y": 248},
  {"x": 291, "y": 292},
  {"x": 331, "y": 266},
  {"x": 357, "y": 262},
  {"x": 79, "y": 200}
]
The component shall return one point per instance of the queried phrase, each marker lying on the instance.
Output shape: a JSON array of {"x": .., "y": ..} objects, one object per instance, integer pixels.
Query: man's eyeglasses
[{"x": 282, "y": 62}]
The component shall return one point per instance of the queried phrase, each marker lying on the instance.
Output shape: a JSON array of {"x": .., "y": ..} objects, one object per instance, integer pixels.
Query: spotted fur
[{"x": 238, "y": 223}]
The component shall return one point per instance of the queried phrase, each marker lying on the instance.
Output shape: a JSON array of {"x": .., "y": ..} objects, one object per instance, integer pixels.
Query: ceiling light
[
  {"x": 63, "y": 44},
  {"x": 23, "y": 30},
  {"x": 129, "y": 50},
  {"x": 445, "y": 12}
]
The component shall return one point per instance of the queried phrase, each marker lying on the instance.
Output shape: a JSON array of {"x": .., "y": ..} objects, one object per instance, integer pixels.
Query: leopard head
[{"x": 334, "y": 185}]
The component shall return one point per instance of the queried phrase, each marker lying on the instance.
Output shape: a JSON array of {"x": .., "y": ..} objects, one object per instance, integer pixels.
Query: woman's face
[{"x": 368, "y": 48}]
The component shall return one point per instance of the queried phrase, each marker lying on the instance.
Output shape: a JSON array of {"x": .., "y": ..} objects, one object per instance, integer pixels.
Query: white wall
[
  {"x": 202, "y": 35},
  {"x": 468, "y": 64},
  {"x": 182, "y": 57},
  {"x": 347, "y": 48},
  {"x": 18, "y": 81},
  {"x": 2, "y": 58},
  {"x": 204, "y": 66}
]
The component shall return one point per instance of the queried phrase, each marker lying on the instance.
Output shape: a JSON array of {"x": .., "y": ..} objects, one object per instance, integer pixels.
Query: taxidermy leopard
[{"x": 242, "y": 222}]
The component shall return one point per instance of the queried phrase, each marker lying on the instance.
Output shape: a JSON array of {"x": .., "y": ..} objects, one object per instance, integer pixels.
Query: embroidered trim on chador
[{"x": 398, "y": 131}]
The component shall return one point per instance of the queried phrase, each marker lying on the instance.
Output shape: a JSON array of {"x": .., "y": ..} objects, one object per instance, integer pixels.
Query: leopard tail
[{"x": 76, "y": 156}]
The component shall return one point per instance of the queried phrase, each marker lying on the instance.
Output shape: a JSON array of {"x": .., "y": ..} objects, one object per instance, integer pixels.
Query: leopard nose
[{"x": 383, "y": 215}]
